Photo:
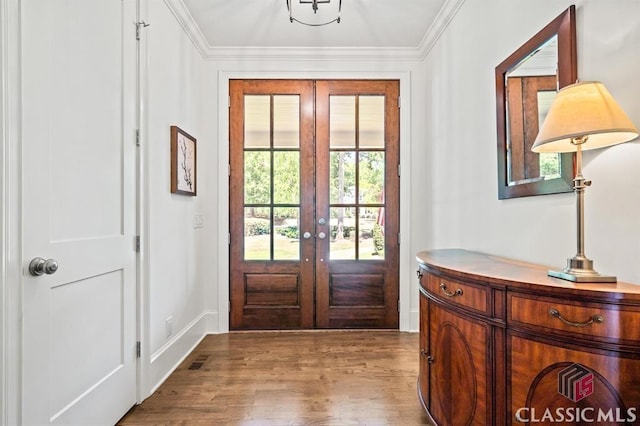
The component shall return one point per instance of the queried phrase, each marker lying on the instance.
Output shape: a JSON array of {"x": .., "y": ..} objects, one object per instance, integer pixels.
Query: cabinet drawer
[
  {"x": 468, "y": 295},
  {"x": 602, "y": 321}
]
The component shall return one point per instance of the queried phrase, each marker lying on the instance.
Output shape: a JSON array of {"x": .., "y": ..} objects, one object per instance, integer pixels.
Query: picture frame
[{"x": 183, "y": 162}]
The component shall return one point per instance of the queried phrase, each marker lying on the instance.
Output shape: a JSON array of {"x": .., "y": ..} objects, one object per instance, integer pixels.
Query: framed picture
[{"x": 183, "y": 162}]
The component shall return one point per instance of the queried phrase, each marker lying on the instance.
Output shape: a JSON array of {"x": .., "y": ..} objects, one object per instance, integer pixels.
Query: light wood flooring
[{"x": 291, "y": 378}]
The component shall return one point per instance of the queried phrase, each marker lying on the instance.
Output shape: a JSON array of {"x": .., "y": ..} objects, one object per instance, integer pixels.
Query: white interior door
[{"x": 79, "y": 323}]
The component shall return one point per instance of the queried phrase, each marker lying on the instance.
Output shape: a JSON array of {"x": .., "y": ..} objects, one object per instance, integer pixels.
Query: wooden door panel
[
  {"x": 267, "y": 293},
  {"x": 357, "y": 292},
  {"x": 346, "y": 274}
]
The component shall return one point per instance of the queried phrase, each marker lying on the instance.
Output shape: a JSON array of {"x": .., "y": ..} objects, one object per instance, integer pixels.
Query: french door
[{"x": 314, "y": 204}]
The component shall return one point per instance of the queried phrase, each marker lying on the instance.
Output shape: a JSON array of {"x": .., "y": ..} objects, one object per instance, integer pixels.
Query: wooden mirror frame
[{"x": 564, "y": 26}]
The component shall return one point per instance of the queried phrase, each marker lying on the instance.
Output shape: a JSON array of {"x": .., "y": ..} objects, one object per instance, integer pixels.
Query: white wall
[
  {"x": 178, "y": 261},
  {"x": 458, "y": 140}
]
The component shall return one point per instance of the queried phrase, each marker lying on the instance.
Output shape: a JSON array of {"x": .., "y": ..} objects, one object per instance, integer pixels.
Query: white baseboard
[
  {"x": 414, "y": 321},
  {"x": 166, "y": 359}
]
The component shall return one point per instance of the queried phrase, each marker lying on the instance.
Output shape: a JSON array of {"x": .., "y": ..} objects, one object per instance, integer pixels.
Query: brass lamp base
[{"x": 580, "y": 270}]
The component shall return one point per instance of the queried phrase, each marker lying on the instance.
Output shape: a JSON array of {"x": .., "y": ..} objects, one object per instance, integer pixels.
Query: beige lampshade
[{"x": 584, "y": 109}]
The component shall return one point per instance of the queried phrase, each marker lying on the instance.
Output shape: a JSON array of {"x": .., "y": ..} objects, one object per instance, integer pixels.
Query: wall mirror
[{"x": 526, "y": 84}]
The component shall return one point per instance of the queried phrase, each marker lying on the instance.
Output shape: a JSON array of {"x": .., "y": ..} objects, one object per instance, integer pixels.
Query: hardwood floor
[{"x": 291, "y": 378}]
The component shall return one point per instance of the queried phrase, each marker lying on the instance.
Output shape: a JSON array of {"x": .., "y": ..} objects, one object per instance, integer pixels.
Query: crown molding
[
  {"x": 189, "y": 25},
  {"x": 440, "y": 23},
  {"x": 208, "y": 52}
]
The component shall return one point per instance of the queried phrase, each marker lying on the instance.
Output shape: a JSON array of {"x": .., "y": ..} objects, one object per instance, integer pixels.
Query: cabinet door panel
[
  {"x": 423, "y": 378},
  {"x": 458, "y": 373},
  {"x": 543, "y": 377}
]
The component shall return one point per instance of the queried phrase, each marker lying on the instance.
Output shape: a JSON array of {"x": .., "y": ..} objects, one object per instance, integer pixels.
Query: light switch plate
[{"x": 198, "y": 220}]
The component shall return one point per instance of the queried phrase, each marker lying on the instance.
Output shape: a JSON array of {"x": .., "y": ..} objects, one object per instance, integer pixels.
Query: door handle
[
  {"x": 322, "y": 235},
  {"x": 306, "y": 235},
  {"x": 39, "y": 266}
]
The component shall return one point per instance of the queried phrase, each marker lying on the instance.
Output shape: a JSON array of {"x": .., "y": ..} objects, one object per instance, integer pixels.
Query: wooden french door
[{"x": 314, "y": 204}]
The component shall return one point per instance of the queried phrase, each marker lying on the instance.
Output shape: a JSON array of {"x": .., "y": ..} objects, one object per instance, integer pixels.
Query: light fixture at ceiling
[{"x": 305, "y": 17}]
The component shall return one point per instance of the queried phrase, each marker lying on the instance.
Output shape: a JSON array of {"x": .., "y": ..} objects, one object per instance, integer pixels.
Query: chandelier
[{"x": 306, "y": 17}]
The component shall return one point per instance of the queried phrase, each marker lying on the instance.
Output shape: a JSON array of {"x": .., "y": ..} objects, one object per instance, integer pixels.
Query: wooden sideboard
[{"x": 502, "y": 343}]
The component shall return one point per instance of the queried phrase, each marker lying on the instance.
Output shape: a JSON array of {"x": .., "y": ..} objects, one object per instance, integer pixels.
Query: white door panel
[{"x": 79, "y": 341}]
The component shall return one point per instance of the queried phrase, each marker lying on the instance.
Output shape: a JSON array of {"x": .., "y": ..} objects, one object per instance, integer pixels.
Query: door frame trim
[
  {"x": 406, "y": 259},
  {"x": 11, "y": 200}
]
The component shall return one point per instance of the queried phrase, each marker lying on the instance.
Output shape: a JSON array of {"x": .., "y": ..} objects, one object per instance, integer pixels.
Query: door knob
[
  {"x": 322, "y": 235},
  {"x": 39, "y": 266},
  {"x": 306, "y": 235},
  {"x": 321, "y": 221}
]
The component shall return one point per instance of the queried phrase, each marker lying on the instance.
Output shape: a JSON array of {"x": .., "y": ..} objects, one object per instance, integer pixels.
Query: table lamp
[{"x": 583, "y": 116}]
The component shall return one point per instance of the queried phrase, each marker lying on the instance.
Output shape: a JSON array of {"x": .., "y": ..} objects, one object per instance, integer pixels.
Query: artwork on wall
[{"x": 183, "y": 162}]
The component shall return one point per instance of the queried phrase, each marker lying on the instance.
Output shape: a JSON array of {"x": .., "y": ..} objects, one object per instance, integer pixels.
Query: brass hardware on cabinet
[
  {"x": 458, "y": 291},
  {"x": 430, "y": 359},
  {"x": 595, "y": 319}
]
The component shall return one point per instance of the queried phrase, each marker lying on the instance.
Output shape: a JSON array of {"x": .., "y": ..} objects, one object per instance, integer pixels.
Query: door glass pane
[
  {"x": 257, "y": 233},
  {"x": 342, "y": 121},
  {"x": 342, "y": 178},
  {"x": 257, "y": 119},
  {"x": 371, "y": 177},
  {"x": 286, "y": 121},
  {"x": 371, "y": 121},
  {"x": 286, "y": 176},
  {"x": 257, "y": 177},
  {"x": 342, "y": 233},
  {"x": 286, "y": 241},
  {"x": 371, "y": 243}
]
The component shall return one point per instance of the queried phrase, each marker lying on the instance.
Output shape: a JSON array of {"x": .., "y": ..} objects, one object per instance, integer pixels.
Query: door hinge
[
  {"x": 229, "y": 238},
  {"x": 229, "y": 305},
  {"x": 138, "y": 349},
  {"x": 398, "y": 238},
  {"x": 399, "y": 102},
  {"x": 228, "y": 169},
  {"x": 137, "y": 137},
  {"x": 137, "y": 243},
  {"x": 229, "y": 102},
  {"x": 139, "y": 25},
  {"x": 398, "y": 170},
  {"x": 398, "y": 305}
]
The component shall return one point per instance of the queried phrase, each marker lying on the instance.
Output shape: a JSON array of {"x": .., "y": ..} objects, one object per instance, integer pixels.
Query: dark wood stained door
[{"x": 314, "y": 204}]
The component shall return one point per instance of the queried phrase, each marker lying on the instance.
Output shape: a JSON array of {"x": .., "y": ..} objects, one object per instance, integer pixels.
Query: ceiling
[{"x": 222, "y": 25}]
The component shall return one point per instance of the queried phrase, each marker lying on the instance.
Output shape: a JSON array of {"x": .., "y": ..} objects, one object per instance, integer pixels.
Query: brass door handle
[
  {"x": 443, "y": 287},
  {"x": 595, "y": 319}
]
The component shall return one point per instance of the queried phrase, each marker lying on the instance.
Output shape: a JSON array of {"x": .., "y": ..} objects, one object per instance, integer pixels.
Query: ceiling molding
[
  {"x": 188, "y": 24},
  {"x": 313, "y": 53},
  {"x": 439, "y": 25},
  {"x": 208, "y": 52}
]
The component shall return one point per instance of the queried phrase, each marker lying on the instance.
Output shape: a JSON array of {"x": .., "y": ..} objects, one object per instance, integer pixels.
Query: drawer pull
[
  {"x": 595, "y": 319},
  {"x": 419, "y": 273},
  {"x": 458, "y": 292}
]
